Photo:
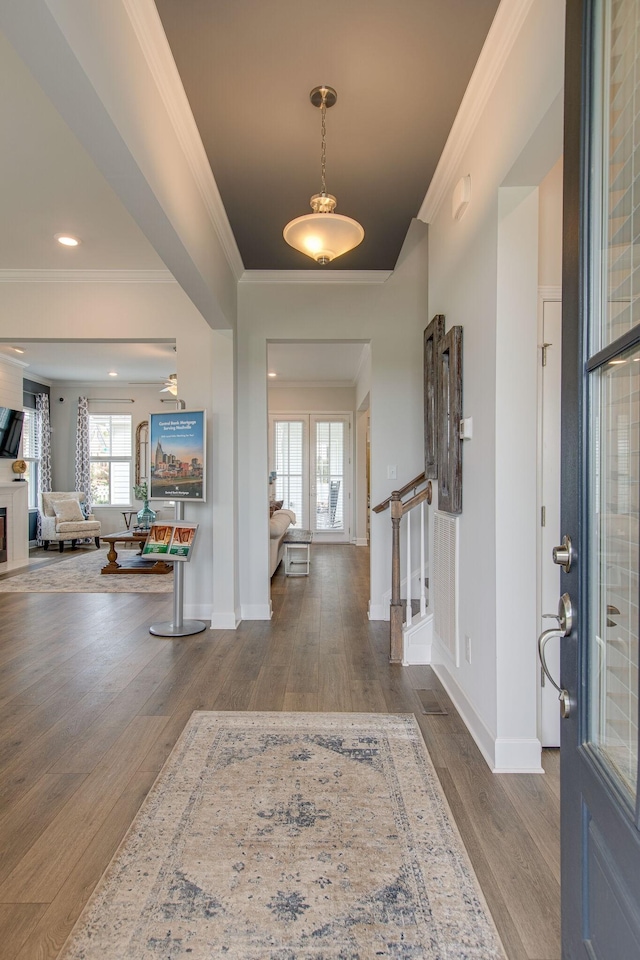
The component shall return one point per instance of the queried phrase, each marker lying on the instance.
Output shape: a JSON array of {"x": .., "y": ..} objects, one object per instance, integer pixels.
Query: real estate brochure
[{"x": 173, "y": 541}]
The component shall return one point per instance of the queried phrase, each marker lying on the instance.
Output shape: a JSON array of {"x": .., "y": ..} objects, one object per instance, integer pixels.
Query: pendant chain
[{"x": 323, "y": 152}]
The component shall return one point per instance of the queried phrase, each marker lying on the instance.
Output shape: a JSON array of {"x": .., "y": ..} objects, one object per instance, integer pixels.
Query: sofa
[{"x": 279, "y": 523}]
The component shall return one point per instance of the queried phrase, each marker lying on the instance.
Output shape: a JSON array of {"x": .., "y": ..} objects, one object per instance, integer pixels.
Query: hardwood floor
[{"x": 91, "y": 705}]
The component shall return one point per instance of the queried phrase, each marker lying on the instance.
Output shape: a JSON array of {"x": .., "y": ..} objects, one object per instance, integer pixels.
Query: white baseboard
[
  {"x": 518, "y": 755},
  {"x": 361, "y": 542},
  {"x": 224, "y": 621},
  {"x": 417, "y": 642},
  {"x": 377, "y": 611},
  {"x": 255, "y": 611},
  {"x": 484, "y": 739},
  {"x": 503, "y": 755}
]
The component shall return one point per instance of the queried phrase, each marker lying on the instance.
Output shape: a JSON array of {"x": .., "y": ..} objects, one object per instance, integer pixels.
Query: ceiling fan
[{"x": 171, "y": 385}]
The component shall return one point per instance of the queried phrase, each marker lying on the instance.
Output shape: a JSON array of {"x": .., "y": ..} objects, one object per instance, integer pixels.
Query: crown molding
[
  {"x": 501, "y": 38},
  {"x": 86, "y": 276},
  {"x": 13, "y": 360},
  {"x": 315, "y": 276},
  {"x": 150, "y": 34},
  {"x": 312, "y": 384}
]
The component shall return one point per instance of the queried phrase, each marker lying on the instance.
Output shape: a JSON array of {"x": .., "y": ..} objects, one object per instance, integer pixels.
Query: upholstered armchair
[{"x": 63, "y": 519}]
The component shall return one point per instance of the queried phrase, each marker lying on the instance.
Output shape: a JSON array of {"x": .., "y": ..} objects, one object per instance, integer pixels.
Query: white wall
[
  {"x": 392, "y": 316},
  {"x": 467, "y": 261},
  {"x": 550, "y": 228},
  {"x": 205, "y": 367},
  {"x": 296, "y": 398}
]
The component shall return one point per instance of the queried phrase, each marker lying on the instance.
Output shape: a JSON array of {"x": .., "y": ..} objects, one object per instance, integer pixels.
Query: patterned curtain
[
  {"x": 83, "y": 462},
  {"x": 43, "y": 446}
]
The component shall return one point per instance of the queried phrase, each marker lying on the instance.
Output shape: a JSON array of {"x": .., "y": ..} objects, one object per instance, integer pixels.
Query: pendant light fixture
[{"x": 323, "y": 235}]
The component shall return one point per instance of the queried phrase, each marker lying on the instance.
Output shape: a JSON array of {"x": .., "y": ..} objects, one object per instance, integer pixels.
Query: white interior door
[{"x": 549, "y": 574}]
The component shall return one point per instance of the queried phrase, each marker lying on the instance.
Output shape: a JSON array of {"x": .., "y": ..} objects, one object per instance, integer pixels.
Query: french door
[
  {"x": 600, "y": 554},
  {"x": 310, "y": 455}
]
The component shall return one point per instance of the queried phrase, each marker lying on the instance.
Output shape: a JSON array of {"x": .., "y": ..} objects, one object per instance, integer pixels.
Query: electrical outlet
[{"x": 467, "y": 648}]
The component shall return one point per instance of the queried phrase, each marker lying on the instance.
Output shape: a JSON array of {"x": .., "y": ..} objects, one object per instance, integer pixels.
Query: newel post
[{"x": 396, "y": 612}]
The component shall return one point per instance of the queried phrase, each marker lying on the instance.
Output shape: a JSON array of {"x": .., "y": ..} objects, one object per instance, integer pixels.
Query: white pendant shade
[{"x": 323, "y": 236}]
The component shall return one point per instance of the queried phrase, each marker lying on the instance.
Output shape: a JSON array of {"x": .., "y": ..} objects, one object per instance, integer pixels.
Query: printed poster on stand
[
  {"x": 171, "y": 541},
  {"x": 177, "y": 444}
]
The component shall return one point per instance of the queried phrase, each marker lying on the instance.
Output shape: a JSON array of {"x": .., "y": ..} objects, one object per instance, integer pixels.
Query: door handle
[{"x": 565, "y": 625}]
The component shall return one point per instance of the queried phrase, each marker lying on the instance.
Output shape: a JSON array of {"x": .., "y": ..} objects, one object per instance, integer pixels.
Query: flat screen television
[{"x": 10, "y": 432}]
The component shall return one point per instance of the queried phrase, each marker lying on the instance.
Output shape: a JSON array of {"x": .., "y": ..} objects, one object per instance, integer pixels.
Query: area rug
[
  {"x": 291, "y": 836},
  {"x": 81, "y": 574}
]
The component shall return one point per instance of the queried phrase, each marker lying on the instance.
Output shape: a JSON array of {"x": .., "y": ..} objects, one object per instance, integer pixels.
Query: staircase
[{"x": 411, "y": 621}]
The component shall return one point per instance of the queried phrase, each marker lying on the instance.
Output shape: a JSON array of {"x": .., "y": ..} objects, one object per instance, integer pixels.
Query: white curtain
[
  {"x": 83, "y": 458},
  {"x": 43, "y": 446}
]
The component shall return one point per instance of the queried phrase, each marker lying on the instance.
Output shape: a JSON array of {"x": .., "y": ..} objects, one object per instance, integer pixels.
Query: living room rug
[
  {"x": 291, "y": 836},
  {"x": 80, "y": 573}
]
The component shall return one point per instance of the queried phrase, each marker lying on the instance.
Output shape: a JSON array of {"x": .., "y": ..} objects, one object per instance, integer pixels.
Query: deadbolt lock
[{"x": 564, "y": 554}]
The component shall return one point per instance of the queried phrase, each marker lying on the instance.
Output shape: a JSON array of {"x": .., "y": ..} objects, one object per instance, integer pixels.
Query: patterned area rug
[
  {"x": 291, "y": 836},
  {"x": 81, "y": 574}
]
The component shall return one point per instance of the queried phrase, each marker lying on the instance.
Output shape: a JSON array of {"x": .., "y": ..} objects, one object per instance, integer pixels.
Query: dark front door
[{"x": 601, "y": 482}]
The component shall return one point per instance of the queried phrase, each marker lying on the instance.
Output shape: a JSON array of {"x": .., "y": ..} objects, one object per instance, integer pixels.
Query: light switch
[{"x": 391, "y": 472}]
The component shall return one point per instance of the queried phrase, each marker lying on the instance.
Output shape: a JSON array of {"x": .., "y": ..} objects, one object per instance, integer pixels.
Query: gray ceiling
[{"x": 400, "y": 71}]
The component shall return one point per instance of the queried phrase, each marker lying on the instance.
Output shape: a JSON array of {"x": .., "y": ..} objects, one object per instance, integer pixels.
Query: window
[
  {"x": 31, "y": 455},
  {"x": 110, "y": 453}
]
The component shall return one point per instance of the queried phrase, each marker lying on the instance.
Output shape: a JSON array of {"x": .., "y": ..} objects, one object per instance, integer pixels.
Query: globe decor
[{"x": 145, "y": 517}]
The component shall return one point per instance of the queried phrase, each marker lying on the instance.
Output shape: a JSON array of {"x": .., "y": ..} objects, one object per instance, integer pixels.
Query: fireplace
[{"x": 3, "y": 535}]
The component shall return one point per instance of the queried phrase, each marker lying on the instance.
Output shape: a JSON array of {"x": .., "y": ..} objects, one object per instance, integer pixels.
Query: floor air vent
[{"x": 444, "y": 580}]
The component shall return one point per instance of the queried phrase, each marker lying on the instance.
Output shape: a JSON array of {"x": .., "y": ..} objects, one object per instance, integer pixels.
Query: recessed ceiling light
[
  {"x": 272, "y": 374},
  {"x": 17, "y": 349},
  {"x": 66, "y": 239},
  {"x": 112, "y": 373}
]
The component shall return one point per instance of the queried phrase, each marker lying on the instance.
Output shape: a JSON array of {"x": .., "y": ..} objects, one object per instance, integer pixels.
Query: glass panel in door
[
  {"x": 329, "y": 461},
  {"x": 289, "y": 458},
  {"x": 615, "y": 575}
]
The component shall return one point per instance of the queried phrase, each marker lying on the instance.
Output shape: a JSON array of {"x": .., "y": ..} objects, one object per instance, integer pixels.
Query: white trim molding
[
  {"x": 256, "y": 611},
  {"x": 504, "y": 31},
  {"x": 86, "y": 276},
  {"x": 155, "y": 48},
  {"x": 503, "y": 755},
  {"x": 222, "y": 621},
  {"x": 315, "y": 276}
]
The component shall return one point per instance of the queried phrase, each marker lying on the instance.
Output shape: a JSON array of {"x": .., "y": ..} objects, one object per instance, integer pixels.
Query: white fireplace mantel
[{"x": 14, "y": 498}]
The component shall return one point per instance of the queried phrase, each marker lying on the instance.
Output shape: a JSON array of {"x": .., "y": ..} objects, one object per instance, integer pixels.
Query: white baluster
[
  {"x": 409, "y": 616},
  {"x": 423, "y": 593}
]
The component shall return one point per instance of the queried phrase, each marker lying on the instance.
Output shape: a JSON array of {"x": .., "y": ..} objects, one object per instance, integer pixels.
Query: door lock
[
  {"x": 564, "y": 554},
  {"x": 565, "y": 625}
]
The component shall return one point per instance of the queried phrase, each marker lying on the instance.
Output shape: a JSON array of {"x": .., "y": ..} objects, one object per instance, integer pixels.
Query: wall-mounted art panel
[
  {"x": 432, "y": 339},
  {"x": 449, "y": 416}
]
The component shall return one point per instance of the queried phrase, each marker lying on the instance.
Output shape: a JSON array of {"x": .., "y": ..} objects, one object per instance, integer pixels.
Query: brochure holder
[{"x": 174, "y": 542}]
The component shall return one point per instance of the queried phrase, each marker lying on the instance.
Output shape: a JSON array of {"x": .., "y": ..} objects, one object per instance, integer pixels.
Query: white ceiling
[
  {"x": 338, "y": 363},
  {"x": 83, "y": 362},
  {"x": 51, "y": 185}
]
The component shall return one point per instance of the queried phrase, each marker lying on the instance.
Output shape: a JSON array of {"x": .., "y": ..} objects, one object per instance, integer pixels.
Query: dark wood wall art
[
  {"x": 449, "y": 416},
  {"x": 433, "y": 336}
]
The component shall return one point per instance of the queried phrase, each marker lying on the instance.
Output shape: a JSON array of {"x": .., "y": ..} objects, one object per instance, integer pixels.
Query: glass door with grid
[{"x": 310, "y": 456}]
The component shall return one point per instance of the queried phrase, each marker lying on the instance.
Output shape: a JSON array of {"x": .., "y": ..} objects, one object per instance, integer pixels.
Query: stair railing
[{"x": 401, "y": 614}]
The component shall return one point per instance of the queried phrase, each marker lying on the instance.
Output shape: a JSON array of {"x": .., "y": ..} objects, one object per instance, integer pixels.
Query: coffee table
[{"x": 135, "y": 564}]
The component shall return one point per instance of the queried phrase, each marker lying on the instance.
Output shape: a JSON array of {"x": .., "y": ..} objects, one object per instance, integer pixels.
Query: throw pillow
[
  {"x": 67, "y": 511},
  {"x": 275, "y": 505}
]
